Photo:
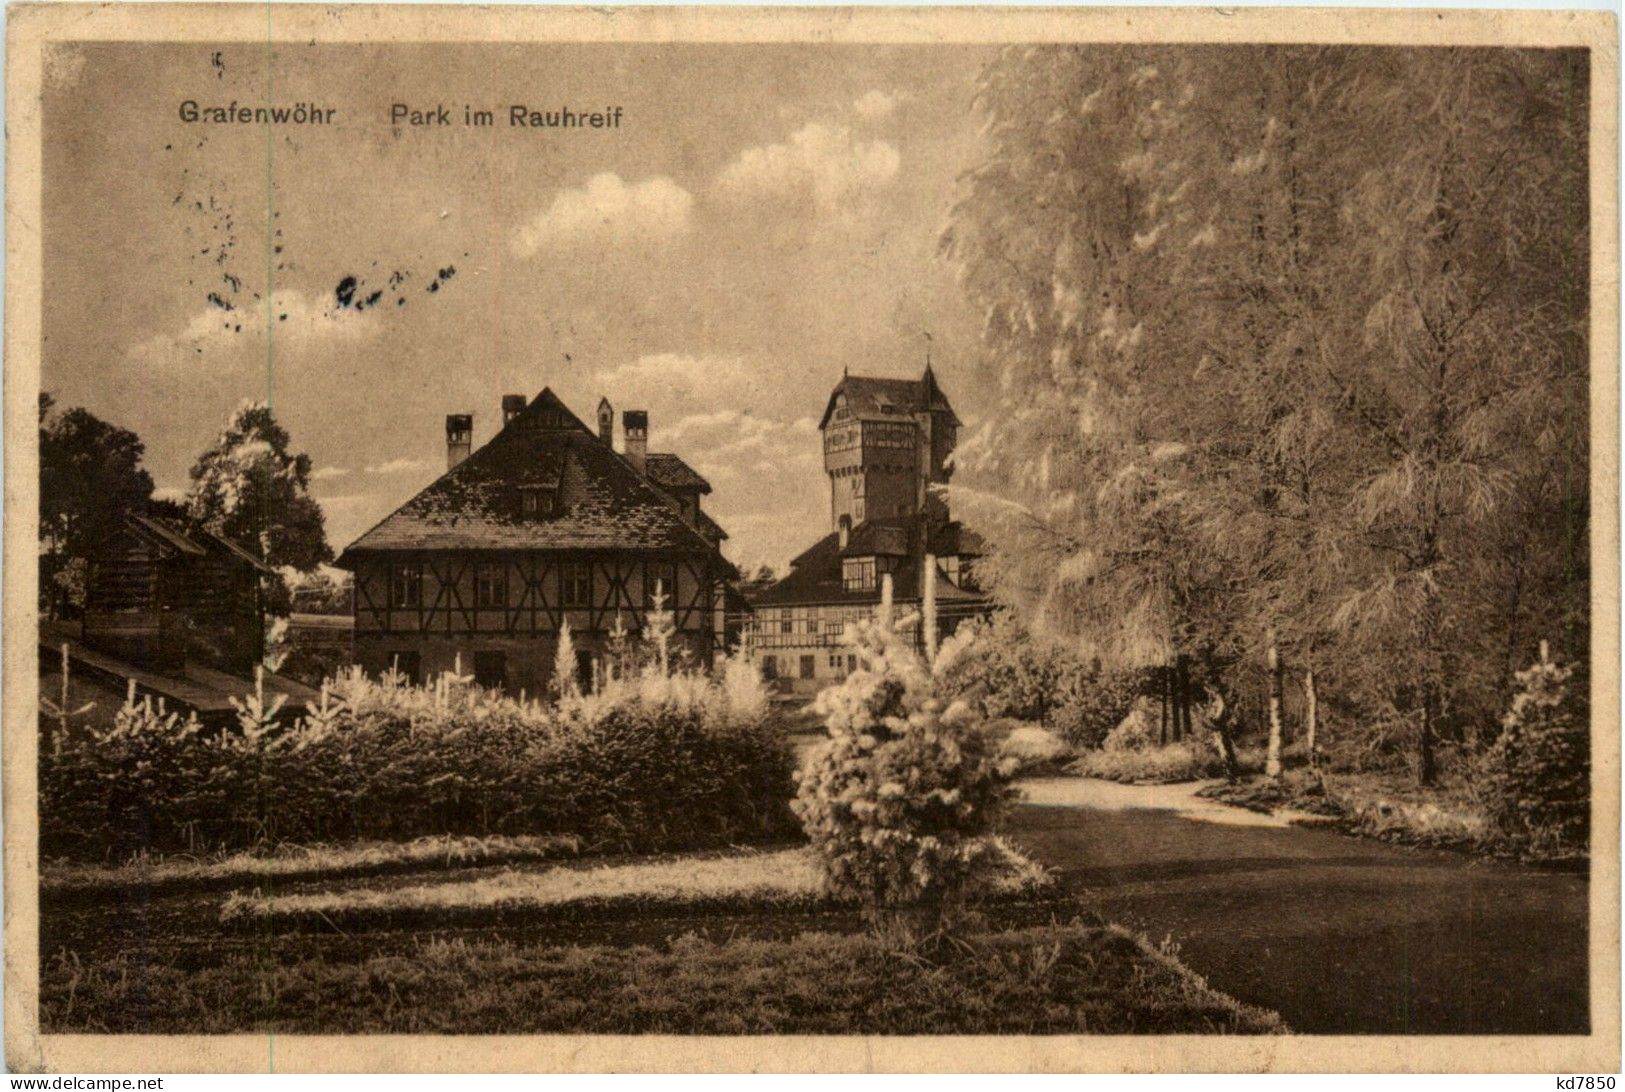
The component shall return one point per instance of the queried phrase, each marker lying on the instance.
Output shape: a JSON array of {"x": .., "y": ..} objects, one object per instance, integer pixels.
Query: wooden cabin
[
  {"x": 158, "y": 594},
  {"x": 546, "y": 524}
]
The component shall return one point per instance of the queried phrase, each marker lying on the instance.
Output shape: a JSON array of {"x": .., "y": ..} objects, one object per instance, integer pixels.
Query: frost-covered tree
[
  {"x": 250, "y": 487},
  {"x": 1271, "y": 356}
]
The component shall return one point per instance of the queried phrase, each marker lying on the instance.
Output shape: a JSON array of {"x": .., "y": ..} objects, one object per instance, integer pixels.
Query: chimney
[
  {"x": 459, "y": 438},
  {"x": 512, "y": 406},
  {"x": 606, "y": 423},
  {"x": 635, "y": 422}
]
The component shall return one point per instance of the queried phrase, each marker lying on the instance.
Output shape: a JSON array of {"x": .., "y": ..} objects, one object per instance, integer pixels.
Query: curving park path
[{"x": 1340, "y": 935}]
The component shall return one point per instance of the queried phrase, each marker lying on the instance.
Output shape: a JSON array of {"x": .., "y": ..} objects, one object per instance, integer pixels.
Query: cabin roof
[
  {"x": 602, "y": 502},
  {"x": 191, "y": 541}
]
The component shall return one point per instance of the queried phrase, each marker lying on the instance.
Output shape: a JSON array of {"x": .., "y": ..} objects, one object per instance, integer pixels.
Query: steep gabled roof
[
  {"x": 672, "y": 473},
  {"x": 871, "y": 398},
  {"x": 602, "y": 502}
]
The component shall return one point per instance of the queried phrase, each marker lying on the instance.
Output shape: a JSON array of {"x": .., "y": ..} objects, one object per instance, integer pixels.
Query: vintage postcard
[{"x": 647, "y": 539}]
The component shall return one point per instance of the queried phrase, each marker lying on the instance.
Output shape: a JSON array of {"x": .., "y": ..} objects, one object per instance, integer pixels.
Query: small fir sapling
[{"x": 900, "y": 804}]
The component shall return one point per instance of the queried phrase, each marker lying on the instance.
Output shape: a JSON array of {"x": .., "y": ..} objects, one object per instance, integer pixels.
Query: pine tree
[{"x": 564, "y": 665}]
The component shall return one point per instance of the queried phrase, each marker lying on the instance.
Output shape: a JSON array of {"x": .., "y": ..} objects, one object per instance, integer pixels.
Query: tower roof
[{"x": 873, "y": 398}]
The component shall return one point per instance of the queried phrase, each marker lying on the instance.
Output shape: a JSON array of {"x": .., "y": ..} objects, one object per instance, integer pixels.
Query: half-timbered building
[
  {"x": 546, "y": 524},
  {"x": 886, "y": 444}
]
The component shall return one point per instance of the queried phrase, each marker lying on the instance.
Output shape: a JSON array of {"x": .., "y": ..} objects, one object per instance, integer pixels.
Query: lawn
[
  {"x": 296, "y": 863},
  {"x": 1054, "y": 979},
  {"x": 736, "y": 942},
  {"x": 773, "y": 881}
]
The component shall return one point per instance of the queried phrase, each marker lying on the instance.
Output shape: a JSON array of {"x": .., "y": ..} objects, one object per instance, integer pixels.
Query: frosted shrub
[
  {"x": 1004, "y": 671},
  {"x": 1033, "y": 747},
  {"x": 653, "y": 762},
  {"x": 900, "y": 803},
  {"x": 1537, "y": 787}
]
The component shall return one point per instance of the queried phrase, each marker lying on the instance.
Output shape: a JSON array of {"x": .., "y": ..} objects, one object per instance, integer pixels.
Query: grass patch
[
  {"x": 1056, "y": 979},
  {"x": 786, "y": 880},
  {"x": 301, "y": 863}
]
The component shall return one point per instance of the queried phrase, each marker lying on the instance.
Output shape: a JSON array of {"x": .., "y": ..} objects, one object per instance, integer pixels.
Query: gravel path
[{"x": 1339, "y": 935}]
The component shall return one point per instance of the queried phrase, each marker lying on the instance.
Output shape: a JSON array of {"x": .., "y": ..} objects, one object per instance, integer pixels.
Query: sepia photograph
[{"x": 535, "y": 525}]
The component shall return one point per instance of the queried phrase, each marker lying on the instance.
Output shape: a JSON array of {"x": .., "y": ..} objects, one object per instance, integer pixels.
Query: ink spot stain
[
  {"x": 216, "y": 299},
  {"x": 345, "y": 292}
]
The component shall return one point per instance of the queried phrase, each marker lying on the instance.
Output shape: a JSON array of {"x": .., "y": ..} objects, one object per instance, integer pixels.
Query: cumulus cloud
[
  {"x": 401, "y": 466},
  {"x": 292, "y": 320},
  {"x": 608, "y": 209},
  {"x": 679, "y": 384},
  {"x": 820, "y": 163},
  {"x": 874, "y": 105},
  {"x": 771, "y": 495},
  {"x": 327, "y": 473}
]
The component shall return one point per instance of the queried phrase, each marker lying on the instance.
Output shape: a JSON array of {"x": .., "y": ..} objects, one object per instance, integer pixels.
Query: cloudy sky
[{"x": 764, "y": 217}]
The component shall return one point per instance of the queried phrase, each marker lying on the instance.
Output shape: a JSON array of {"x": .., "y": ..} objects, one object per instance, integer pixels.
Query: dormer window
[
  {"x": 858, "y": 573},
  {"x": 537, "y": 502}
]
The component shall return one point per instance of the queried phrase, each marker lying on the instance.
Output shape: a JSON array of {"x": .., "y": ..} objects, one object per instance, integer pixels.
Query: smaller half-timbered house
[{"x": 545, "y": 524}]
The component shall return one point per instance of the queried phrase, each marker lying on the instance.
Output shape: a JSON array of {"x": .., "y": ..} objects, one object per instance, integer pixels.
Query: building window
[
  {"x": 406, "y": 585},
  {"x": 858, "y": 573},
  {"x": 536, "y": 502},
  {"x": 809, "y": 664},
  {"x": 770, "y": 668},
  {"x": 409, "y": 664},
  {"x": 786, "y": 626},
  {"x": 491, "y": 669},
  {"x": 577, "y": 584},
  {"x": 665, "y": 577},
  {"x": 491, "y": 586},
  {"x": 851, "y": 663}
]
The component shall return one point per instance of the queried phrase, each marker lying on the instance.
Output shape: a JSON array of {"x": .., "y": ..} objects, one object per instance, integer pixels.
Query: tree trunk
[
  {"x": 1272, "y": 761},
  {"x": 1182, "y": 722},
  {"x": 1311, "y": 717},
  {"x": 1426, "y": 771},
  {"x": 1219, "y": 717},
  {"x": 1163, "y": 684}
]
